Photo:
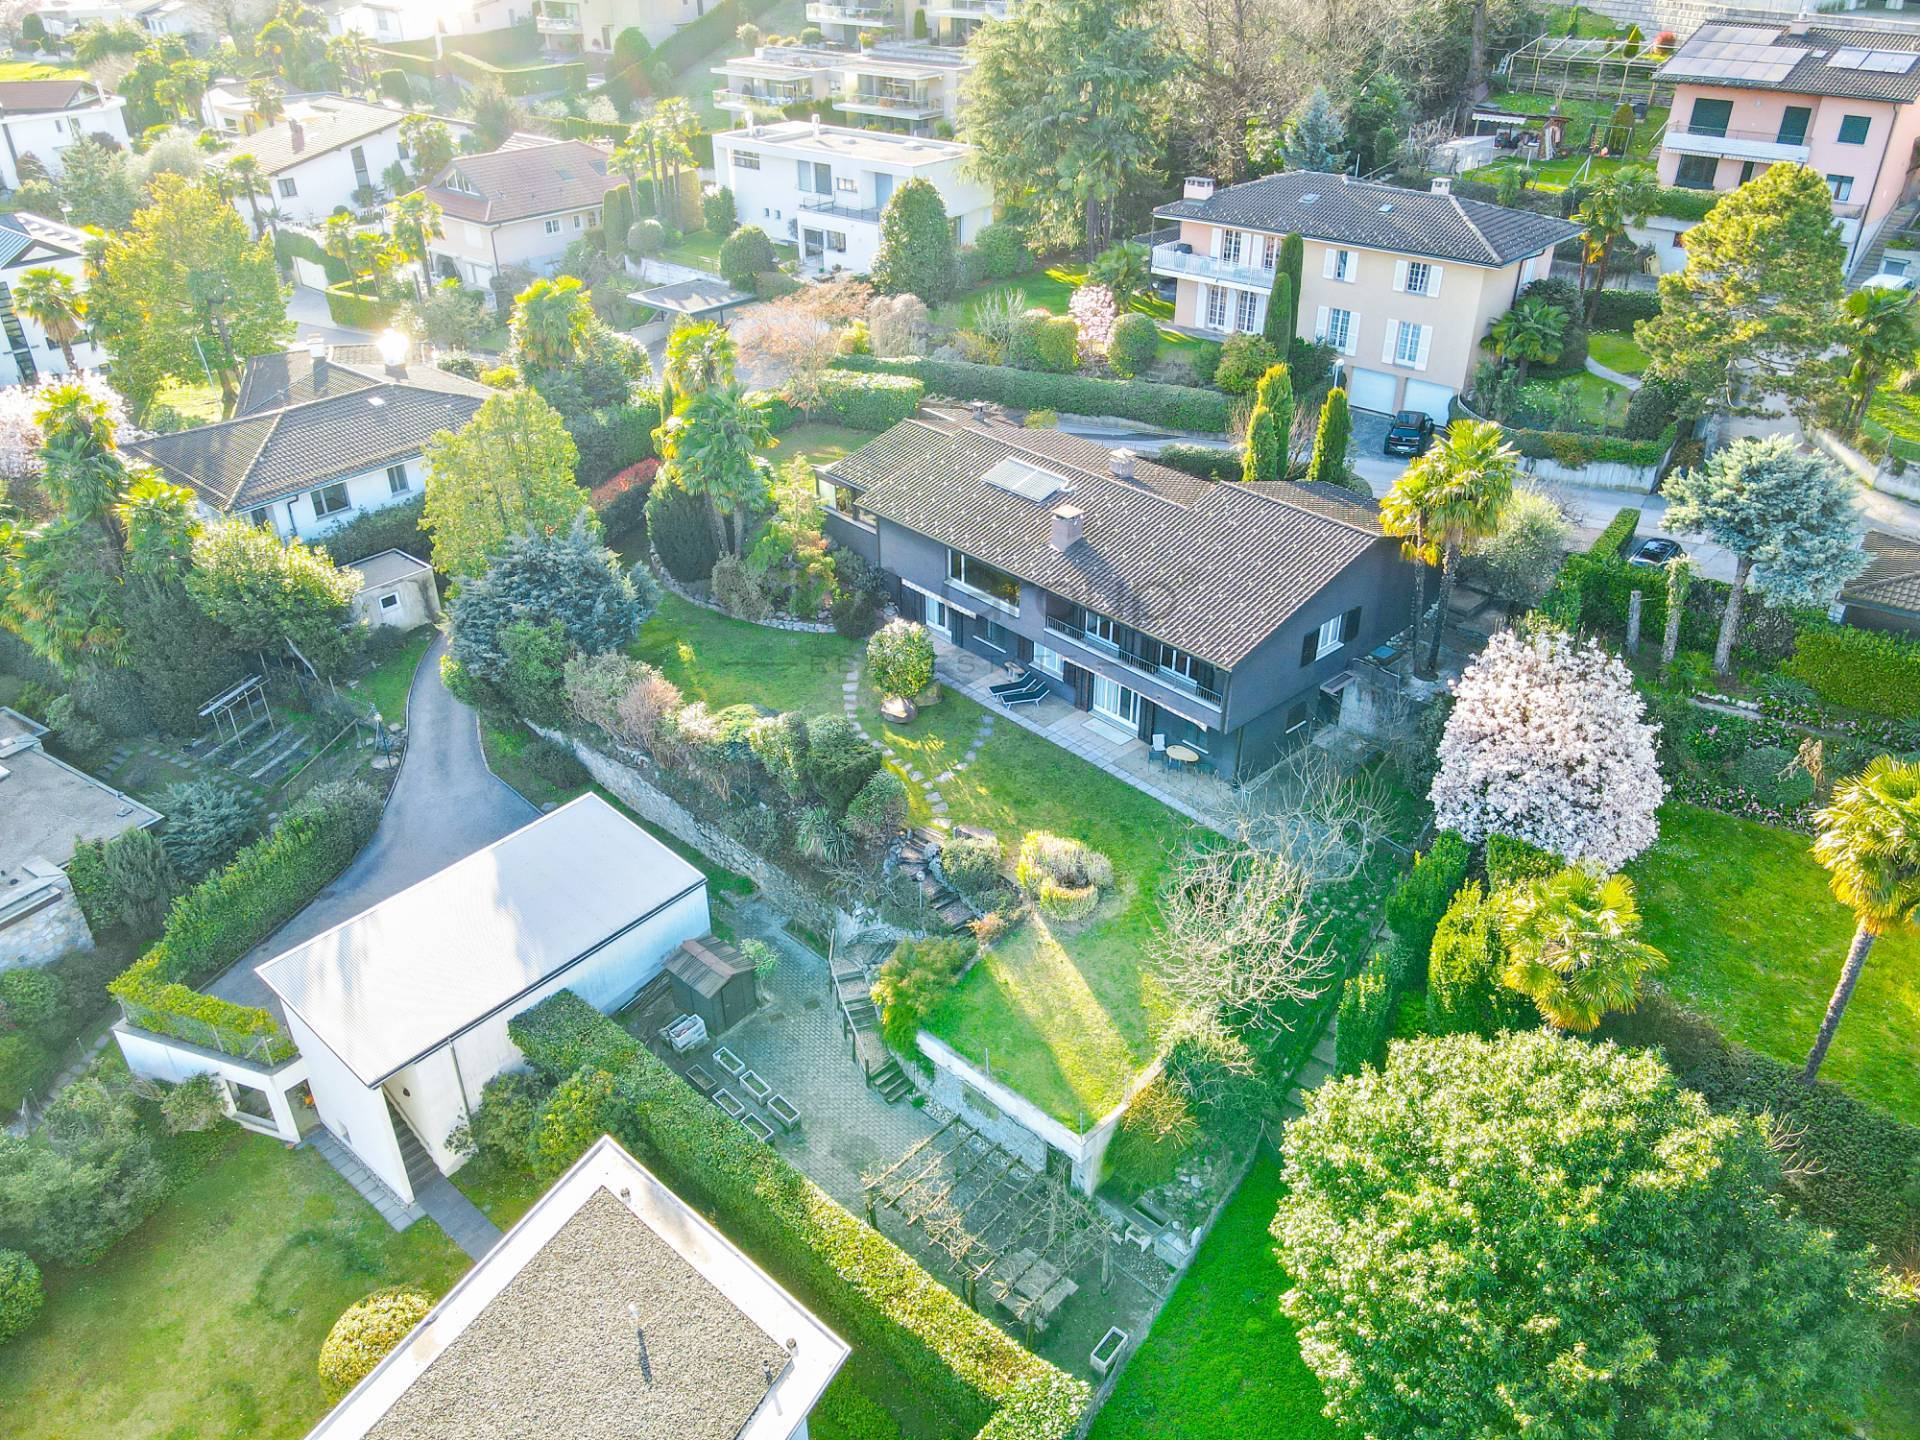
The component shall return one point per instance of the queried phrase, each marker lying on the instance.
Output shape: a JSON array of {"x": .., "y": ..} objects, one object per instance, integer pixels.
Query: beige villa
[{"x": 1403, "y": 284}]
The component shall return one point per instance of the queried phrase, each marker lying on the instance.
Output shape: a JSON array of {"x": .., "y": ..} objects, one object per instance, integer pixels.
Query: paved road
[{"x": 445, "y": 805}]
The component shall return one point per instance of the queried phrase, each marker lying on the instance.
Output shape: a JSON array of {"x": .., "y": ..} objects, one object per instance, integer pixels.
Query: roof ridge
[
  {"x": 1267, "y": 494},
  {"x": 1473, "y": 225}
]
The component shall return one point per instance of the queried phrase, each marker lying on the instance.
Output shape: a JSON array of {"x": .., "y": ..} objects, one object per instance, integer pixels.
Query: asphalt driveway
[{"x": 445, "y": 805}]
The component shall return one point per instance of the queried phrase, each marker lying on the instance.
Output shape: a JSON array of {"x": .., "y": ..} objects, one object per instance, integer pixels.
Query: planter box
[
  {"x": 757, "y": 1128},
  {"x": 702, "y": 1079},
  {"x": 756, "y": 1087},
  {"x": 1108, "y": 1350},
  {"x": 728, "y": 1061},
  {"x": 730, "y": 1103},
  {"x": 782, "y": 1110}
]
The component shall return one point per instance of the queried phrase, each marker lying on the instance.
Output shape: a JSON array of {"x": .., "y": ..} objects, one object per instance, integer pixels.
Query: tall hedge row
[
  {"x": 861, "y": 1283},
  {"x": 1177, "y": 407},
  {"x": 1869, "y": 670},
  {"x": 869, "y": 402}
]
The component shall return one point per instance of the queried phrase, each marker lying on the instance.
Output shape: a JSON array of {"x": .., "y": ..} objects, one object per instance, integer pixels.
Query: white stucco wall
[
  {"x": 48, "y": 358},
  {"x": 44, "y": 134},
  {"x": 355, "y": 1114},
  {"x": 325, "y": 181},
  {"x": 154, "y": 1057},
  {"x": 366, "y": 490}
]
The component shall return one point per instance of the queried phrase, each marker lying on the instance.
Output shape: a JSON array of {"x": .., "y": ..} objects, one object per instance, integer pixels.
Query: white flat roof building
[
  {"x": 910, "y": 87},
  {"x": 612, "y": 1310},
  {"x": 823, "y": 187}
]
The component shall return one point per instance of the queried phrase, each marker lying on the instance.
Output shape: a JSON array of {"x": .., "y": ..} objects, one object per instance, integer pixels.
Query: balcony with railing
[
  {"x": 838, "y": 209},
  {"x": 1064, "y": 627},
  {"x": 972, "y": 9},
  {"x": 904, "y": 106},
  {"x": 1177, "y": 258},
  {"x": 767, "y": 98},
  {"x": 553, "y": 17},
  {"x": 867, "y": 17},
  {"x": 1783, "y": 143}
]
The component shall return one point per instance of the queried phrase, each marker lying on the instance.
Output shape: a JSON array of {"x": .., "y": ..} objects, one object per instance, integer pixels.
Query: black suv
[{"x": 1409, "y": 433}]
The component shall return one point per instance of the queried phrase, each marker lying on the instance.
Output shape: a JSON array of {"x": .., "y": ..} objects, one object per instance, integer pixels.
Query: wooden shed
[{"x": 711, "y": 980}]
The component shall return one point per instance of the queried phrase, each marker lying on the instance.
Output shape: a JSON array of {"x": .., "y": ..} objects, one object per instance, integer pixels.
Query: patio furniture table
[
  {"x": 1042, "y": 1284},
  {"x": 1182, "y": 754}
]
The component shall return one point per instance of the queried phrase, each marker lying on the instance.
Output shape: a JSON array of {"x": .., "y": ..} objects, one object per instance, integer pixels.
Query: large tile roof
[
  {"x": 67, "y": 92},
  {"x": 1891, "y": 580},
  {"x": 1212, "y": 569},
  {"x": 370, "y": 418},
  {"x": 326, "y": 123},
  {"x": 1341, "y": 211},
  {"x": 524, "y": 178}
]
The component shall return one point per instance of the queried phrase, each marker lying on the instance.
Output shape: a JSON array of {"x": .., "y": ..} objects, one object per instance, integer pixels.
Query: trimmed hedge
[
  {"x": 1576, "y": 450},
  {"x": 862, "y": 1284},
  {"x": 700, "y": 37},
  {"x": 1870, "y": 670},
  {"x": 288, "y": 244},
  {"x": 1367, "y": 1007},
  {"x": 356, "y": 311},
  {"x": 1205, "y": 462},
  {"x": 391, "y": 527},
  {"x": 230, "y": 912},
  {"x": 1619, "y": 533},
  {"x": 1424, "y": 892},
  {"x": 1177, "y": 407},
  {"x": 1622, "y": 309},
  {"x": 565, "y": 76},
  {"x": 870, "y": 402}
]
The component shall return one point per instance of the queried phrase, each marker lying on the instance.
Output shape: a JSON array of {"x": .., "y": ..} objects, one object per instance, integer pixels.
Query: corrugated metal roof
[{"x": 398, "y": 981}]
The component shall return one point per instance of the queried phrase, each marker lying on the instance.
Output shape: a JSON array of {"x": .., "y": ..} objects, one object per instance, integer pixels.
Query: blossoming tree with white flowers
[
  {"x": 1096, "y": 312},
  {"x": 1548, "y": 742}
]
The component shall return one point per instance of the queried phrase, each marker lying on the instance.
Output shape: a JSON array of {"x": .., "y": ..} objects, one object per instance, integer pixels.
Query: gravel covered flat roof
[{"x": 541, "y": 1338}]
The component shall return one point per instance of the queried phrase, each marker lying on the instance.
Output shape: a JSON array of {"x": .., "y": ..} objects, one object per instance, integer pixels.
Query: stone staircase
[
  {"x": 1312, "y": 1074},
  {"x": 852, "y": 968},
  {"x": 413, "y": 1154},
  {"x": 1868, "y": 265}
]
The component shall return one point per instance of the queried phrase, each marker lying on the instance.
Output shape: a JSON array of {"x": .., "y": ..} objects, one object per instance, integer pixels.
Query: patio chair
[
  {"x": 1022, "y": 677},
  {"x": 1030, "y": 693},
  {"x": 1158, "y": 755}
]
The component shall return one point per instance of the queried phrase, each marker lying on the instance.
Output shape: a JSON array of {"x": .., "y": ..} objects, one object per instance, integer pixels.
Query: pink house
[{"x": 1839, "y": 100}]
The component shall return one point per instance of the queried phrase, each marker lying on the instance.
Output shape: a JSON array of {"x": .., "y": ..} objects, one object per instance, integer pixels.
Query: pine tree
[
  {"x": 1314, "y": 138},
  {"x": 1329, "y": 464},
  {"x": 1270, "y": 428}
]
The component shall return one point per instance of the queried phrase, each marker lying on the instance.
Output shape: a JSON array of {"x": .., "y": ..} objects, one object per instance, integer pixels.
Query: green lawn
[
  {"x": 15, "y": 70},
  {"x": 697, "y": 248},
  {"x": 1050, "y": 289},
  {"x": 207, "y": 1321},
  {"x": 1755, "y": 941},
  {"x": 1898, "y": 414},
  {"x": 198, "y": 403},
  {"x": 818, "y": 443},
  {"x": 728, "y": 662},
  {"x": 387, "y": 684},
  {"x": 1617, "y": 352},
  {"x": 1221, "y": 1362}
]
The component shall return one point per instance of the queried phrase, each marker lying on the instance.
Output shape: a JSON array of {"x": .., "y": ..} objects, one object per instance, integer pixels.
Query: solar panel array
[
  {"x": 1736, "y": 52},
  {"x": 1027, "y": 481},
  {"x": 1889, "y": 62}
]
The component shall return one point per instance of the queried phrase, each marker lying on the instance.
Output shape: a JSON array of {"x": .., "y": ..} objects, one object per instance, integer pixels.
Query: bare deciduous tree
[{"x": 785, "y": 345}]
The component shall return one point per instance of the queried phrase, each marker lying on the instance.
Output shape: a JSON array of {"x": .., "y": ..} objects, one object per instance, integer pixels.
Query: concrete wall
[
  {"x": 416, "y": 602},
  {"x": 356, "y": 1114},
  {"x": 155, "y": 1057},
  {"x": 44, "y": 135}
]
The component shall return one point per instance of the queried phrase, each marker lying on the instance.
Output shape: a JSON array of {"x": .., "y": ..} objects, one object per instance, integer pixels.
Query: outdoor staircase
[
  {"x": 916, "y": 858},
  {"x": 413, "y": 1154},
  {"x": 852, "y": 967},
  {"x": 1868, "y": 265},
  {"x": 1312, "y": 1073},
  {"x": 891, "y": 1081}
]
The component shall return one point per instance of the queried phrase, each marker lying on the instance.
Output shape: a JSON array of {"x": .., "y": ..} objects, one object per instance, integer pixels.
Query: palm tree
[
  {"x": 1404, "y": 513},
  {"x": 713, "y": 445},
  {"x": 1462, "y": 484},
  {"x": 673, "y": 124},
  {"x": 698, "y": 356},
  {"x": 630, "y": 160},
  {"x": 1531, "y": 331},
  {"x": 1616, "y": 202},
  {"x": 52, "y": 301},
  {"x": 263, "y": 100},
  {"x": 1869, "y": 840},
  {"x": 1572, "y": 945},
  {"x": 1882, "y": 332},
  {"x": 243, "y": 177},
  {"x": 415, "y": 221},
  {"x": 551, "y": 319}
]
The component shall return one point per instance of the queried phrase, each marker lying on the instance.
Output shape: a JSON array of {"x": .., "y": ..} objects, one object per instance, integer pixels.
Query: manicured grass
[
  {"x": 1050, "y": 289},
  {"x": 506, "y": 746},
  {"x": 387, "y": 684},
  {"x": 14, "y": 70},
  {"x": 1755, "y": 942},
  {"x": 1617, "y": 352},
  {"x": 729, "y": 662},
  {"x": 818, "y": 443},
  {"x": 1221, "y": 1362},
  {"x": 1600, "y": 402},
  {"x": 697, "y": 248},
  {"x": 206, "y": 1322},
  {"x": 198, "y": 403},
  {"x": 1898, "y": 414}
]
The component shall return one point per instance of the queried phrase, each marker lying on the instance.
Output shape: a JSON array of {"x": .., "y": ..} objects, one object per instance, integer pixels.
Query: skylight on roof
[
  {"x": 1029, "y": 482},
  {"x": 1308, "y": 199}
]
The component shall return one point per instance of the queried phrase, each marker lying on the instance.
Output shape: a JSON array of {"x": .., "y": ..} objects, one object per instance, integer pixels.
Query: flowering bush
[
  {"x": 21, "y": 438},
  {"x": 1548, "y": 742},
  {"x": 900, "y": 657},
  {"x": 1095, "y": 311}
]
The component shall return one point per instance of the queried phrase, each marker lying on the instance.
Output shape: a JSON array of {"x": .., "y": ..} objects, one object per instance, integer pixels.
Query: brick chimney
[
  {"x": 1120, "y": 463},
  {"x": 1198, "y": 187},
  {"x": 1442, "y": 185},
  {"x": 297, "y": 134},
  {"x": 1069, "y": 527}
]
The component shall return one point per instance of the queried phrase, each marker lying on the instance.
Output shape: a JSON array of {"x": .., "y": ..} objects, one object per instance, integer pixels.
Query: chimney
[
  {"x": 1198, "y": 187},
  {"x": 317, "y": 348},
  {"x": 1069, "y": 526},
  {"x": 297, "y": 133},
  {"x": 816, "y": 127},
  {"x": 979, "y": 409},
  {"x": 1442, "y": 185},
  {"x": 1120, "y": 462}
]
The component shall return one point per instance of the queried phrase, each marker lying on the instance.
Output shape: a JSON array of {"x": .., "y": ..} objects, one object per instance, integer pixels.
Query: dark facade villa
[{"x": 1221, "y": 616}]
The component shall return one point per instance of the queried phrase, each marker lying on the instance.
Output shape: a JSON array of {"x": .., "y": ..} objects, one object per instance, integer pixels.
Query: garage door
[
  {"x": 1372, "y": 390},
  {"x": 1427, "y": 396}
]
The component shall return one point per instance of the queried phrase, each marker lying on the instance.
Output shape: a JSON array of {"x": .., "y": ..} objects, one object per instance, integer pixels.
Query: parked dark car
[
  {"x": 1655, "y": 550},
  {"x": 1409, "y": 433}
]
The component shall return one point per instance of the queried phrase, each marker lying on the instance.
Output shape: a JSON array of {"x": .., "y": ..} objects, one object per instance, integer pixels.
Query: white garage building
[{"x": 400, "y": 1013}]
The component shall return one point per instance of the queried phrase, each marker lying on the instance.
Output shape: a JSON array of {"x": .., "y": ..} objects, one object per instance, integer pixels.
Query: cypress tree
[
  {"x": 1293, "y": 255},
  {"x": 1282, "y": 313},
  {"x": 1270, "y": 427},
  {"x": 1330, "y": 441}
]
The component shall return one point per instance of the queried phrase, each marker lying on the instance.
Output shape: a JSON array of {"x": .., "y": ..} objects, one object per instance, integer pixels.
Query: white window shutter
[
  {"x": 1426, "y": 345},
  {"x": 1400, "y": 275},
  {"x": 1217, "y": 233},
  {"x": 1320, "y": 323},
  {"x": 1393, "y": 333},
  {"x": 1434, "y": 272},
  {"x": 1353, "y": 334},
  {"x": 1202, "y": 305},
  {"x": 1326, "y": 269}
]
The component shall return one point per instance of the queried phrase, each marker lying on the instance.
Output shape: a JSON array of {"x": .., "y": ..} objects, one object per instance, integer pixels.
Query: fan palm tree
[
  {"x": 52, "y": 301},
  {"x": 243, "y": 177},
  {"x": 713, "y": 446},
  {"x": 1881, "y": 330},
  {"x": 1534, "y": 331},
  {"x": 1405, "y": 513},
  {"x": 699, "y": 356},
  {"x": 631, "y": 160},
  {"x": 263, "y": 100},
  {"x": 674, "y": 124},
  {"x": 551, "y": 319},
  {"x": 415, "y": 222},
  {"x": 1461, "y": 484},
  {"x": 1572, "y": 946},
  {"x": 1617, "y": 201},
  {"x": 1869, "y": 840}
]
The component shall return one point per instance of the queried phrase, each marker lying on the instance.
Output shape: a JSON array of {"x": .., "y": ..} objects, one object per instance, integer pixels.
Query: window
[
  {"x": 397, "y": 482},
  {"x": 1419, "y": 277},
  {"x": 1747, "y": 170},
  {"x": 1338, "y": 331},
  {"x": 1297, "y": 717},
  {"x": 1181, "y": 666},
  {"x": 359, "y": 157},
  {"x": 745, "y": 160},
  {"x": 815, "y": 178},
  {"x": 288, "y": 189},
  {"x": 1230, "y": 246},
  {"x": 331, "y": 500},
  {"x": 1893, "y": 267},
  {"x": 553, "y": 226},
  {"x": 1216, "y": 307},
  {"x": 1100, "y": 630},
  {"x": 1329, "y": 639},
  {"x": 1853, "y": 129},
  {"x": 995, "y": 586},
  {"x": 580, "y": 220},
  {"x": 1696, "y": 172},
  {"x": 847, "y": 184},
  {"x": 261, "y": 519},
  {"x": 1342, "y": 266},
  {"x": 1246, "y": 316},
  {"x": 1331, "y": 636},
  {"x": 1793, "y": 125},
  {"x": 389, "y": 602},
  {"x": 996, "y": 635},
  {"x": 1710, "y": 117},
  {"x": 837, "y": 240},
  {"x": 1410, "y": 345},
  {"x": 1115, "y": 701},
  {"x": 1842, "y": 187},
  {"x": 1048, "y": 662}
]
